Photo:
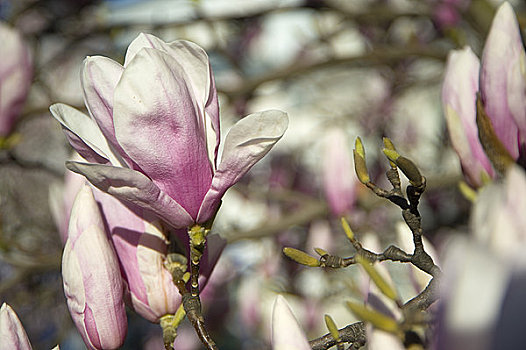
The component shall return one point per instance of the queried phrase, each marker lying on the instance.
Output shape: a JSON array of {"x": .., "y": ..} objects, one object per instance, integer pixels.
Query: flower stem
[
  {"x": 191, "y": 301},
  {"x": 177, "y": 265}
]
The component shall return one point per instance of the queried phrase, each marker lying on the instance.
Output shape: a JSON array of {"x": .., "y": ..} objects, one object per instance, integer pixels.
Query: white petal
[
  {"x": 249, "y": 140},
  {"x": 286, "y": 332},
  {"x": 87, "y": 130},
  {"x": 134, "y": 187}
]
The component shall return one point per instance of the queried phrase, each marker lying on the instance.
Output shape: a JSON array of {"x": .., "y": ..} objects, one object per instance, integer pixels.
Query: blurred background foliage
[{"x": 368, "y": 68}]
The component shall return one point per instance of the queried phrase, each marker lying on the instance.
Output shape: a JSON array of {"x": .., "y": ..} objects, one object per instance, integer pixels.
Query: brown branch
[
  {"x": 353, "y": 334},
  {"x": 378, "y": 56}
]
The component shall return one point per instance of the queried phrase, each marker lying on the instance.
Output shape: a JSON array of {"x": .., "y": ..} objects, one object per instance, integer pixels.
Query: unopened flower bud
[
  {"x": 92, "y": 277},
  {"x": 12, "y": 333}
]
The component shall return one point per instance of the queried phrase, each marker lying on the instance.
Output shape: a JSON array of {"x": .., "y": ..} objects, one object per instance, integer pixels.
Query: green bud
[
  {"x": 301, "y": 257},
  {"x": 468, "y": 193},
  {"x": 389, "y": 144},
  {"x": 378, "y": 280},
  {"x": 391, "y": 154},
  {"x": 374, "y": 317},
  {"x": 186, "y": 277},
  {"x": 358, "y": 146},
  {"x": 360, "y": 168},
  {"x": 410, "y": 170},
  {"x": 331, "y": 326},
  {"x": 321, "y": 252},
  {"x": 347, "y": 229}
]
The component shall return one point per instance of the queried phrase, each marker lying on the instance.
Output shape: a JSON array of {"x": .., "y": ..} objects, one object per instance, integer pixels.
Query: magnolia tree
[{"x": 148, "y": 182}]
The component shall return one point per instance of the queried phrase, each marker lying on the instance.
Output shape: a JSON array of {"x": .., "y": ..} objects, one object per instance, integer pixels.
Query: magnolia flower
[
  {"x": 12, "y": 333},
  {"x": 481, "y": 303},
  {"x": 16, "y": 73},
  {"x": 503, "y": 79},
  {"x": 502, "y": 87},
  {"x": 461, "y": 83},
  {"x": 338, "y": 173},
  {"x": 92, "y": 278},
  {"x": 141, "y": 247},
  {"x": 286, "y": 332},
  {"x": 153, "y": 134}
]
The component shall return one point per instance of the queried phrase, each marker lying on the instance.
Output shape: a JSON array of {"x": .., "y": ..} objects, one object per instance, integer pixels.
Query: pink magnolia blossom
[
  {"x": 16, "y": 72},
  {"x": 141, "y": 247},
  {"x": 12, "y": 333},
  {"x": 502, "y": 87},
  {"x": 286, "y": 332},
  {"x": 338, "y": 173},
  {"x": 447, "y": 13},
  {"x": 92, "y": 280},
  {"x": 503, "y": 79},
  {"x": 152, "y": 138},
  {"x": 461, "y": 83}
]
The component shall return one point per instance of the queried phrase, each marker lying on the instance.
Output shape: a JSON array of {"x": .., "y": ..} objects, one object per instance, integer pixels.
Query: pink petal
[
  {"x": 339, "y": 180},
  {"x": 501, "y": 51},
  {"x": 195, "y": 64},
  {"x": 245, "y": 144},
  {"x": 99, "y": 78},
  {"x": 125, "y": 226},
  {"x": 458, "y": 99},
  {"x": 214, "y": 247},
  {"x": 92, "y": 280},
  {"x": 12, "y": 333},
  {"x": 84, "y": 135},
  {"x": 158, "y": 126},
  {"x": 163, "y": 297},
  {"x": 517, "y": 92},
  {"x": 141, "y": 247},
  {"x": 134, "y": 187}
]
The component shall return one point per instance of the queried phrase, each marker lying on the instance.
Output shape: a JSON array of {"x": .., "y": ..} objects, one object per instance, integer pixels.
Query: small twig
[
  {"x": 176, "y": 264},
  {"x": 353, "y": 334}
]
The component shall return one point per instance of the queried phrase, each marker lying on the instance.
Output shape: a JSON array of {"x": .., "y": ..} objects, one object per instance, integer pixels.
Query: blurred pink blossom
[
  {"x": 461, "y": 83},
  {"x": 447, "y": 13},
  {"x": 503, "y": 79},
  {"x": 339, "y": 179},
  {"x": 502, "y": 87},
  {"x": 16, "y": 73}
]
